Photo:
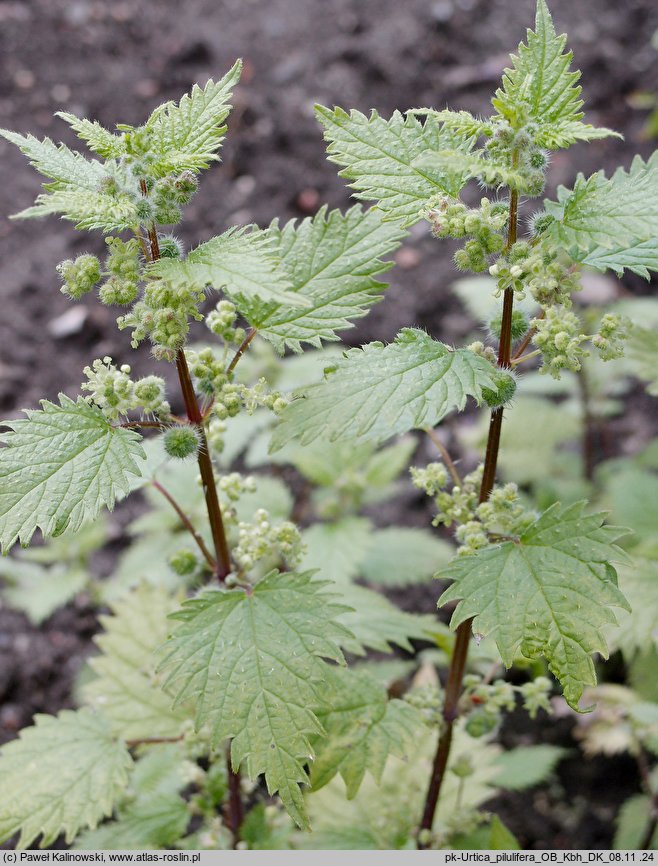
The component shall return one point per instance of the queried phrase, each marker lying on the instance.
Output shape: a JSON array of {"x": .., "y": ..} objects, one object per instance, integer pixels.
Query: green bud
[
  {"x": 539, "y": 222},
  {"x": 480, "y": 723},
  {"x": 504, "y": 390},
  {"x": 183, "y": 562},
  {"x": 170, "y": 247},
  {"x": 167, "y": 213},
  {"x": 116, "y": 291},
  {"x": 520, "y": 324},
  {"x": 462, "y": 767},
  {"x": 538, "y": 159},
  {"x": 181, "y": 441}
]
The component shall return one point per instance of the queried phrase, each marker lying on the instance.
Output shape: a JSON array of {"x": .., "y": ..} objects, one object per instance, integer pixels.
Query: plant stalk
[
  {"x": 453, "y": 687},
  {"x": 215, "y": 518},
  {"x": 187, "y": 523}
]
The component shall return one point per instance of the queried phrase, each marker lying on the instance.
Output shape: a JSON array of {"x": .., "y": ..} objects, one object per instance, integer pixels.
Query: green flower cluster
[
  {"x": 516, "y": 147},
  {"x": 163, "y": 316},
  {"x": 477, "y": 523},
  {"x": 234, "y": 485},
  {"x": 262, "y": 539},
  {"x": 183, "y": 562},
  {"x": 428, "y": 700},
  {"x": 450, "y": 218},
  {"x": 528, "y": 268},
  {"x": 559, "y": 338},
  {"x": 483, "y": 703},
  {"x": 123, "y": 266},
  {"x": 80, "y": 276},
  {"x": 115, "y": 393},
  {"x": 221, "y": 321},
  {"x": 609, "y": 342}
]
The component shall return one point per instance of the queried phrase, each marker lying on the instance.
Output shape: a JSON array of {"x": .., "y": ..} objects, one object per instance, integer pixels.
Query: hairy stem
[
  {"x": 453, "y": 687},
  {"x": 223, "y": 562},
  {"x": 445, "y": 456},
  {"x": 588, "y": 440},
  {"x": 235, "y": 805},
  {"x": 187, "y": 523},
  {"x": 148, "y": 741},
  {"x": 222, "y": 555},
  {"x": 242, "y": 348}
]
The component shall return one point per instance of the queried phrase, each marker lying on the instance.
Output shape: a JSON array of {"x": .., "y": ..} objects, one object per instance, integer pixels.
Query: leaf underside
[
  {"x": 126, "y": 688},
  {"x": 62, "y": 774},
  {"x": 363, "y": 728}
]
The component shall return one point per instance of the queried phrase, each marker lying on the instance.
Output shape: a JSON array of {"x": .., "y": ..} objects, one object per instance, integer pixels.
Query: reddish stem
[{"x": 459, "y": 657}]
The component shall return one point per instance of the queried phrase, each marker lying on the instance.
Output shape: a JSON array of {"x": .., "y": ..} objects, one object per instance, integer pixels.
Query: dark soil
[{"x": 115, "y": 61}]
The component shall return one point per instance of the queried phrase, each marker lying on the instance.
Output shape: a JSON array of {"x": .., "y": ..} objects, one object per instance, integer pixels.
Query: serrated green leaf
[
  {"x": 158, "y": 822},
  {"x": 332, "y": 260},
  {"x": 525, "y": 766},
  {"x": 379, "y": 391},
  {"x": 470, "y": 165},
  {"x": 252, "y": 663},
  {"x": 642, "y": 351},
  {"x": 540, "y": 87},
  {"x": 152, "y": 814},
  {"x": 187, "y": 135},
  {"x": 564, "y": 133},
  {"x": 493, "y": 836},
  {"x": 638, "y": 628},
  {"x": 462, "y": 122},
  {"x": 377, "y": 155},
  {"x": 385, "y": 816},
  {"x": 337, "y": 550},
  {"x": 65, "y": 169},
  {"x": 62, "y": 774},
  {"x": 610, "y": 223},
  {"x": 88, "y": 210},
  {"x": 126, "y": 688},
  {"x": 549, "y": 594},
  {"x": 362, "y": 729},
  {"x": 37, "y": 590},
  {"x": 75, "y": 187},
  {"x": 375, "y": 623},
  {"x": 59, "y": 467},
  {"x": 242, "y": 262},
  {"x": 632, "y": 824},
  {"x": 399, "y": 556},
  {"x": 97, "y": 138},
  {"x": 640, "y": 258}
]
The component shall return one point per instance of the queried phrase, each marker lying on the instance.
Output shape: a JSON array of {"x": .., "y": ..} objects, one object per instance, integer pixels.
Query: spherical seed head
[
  {"x": 170, "y": 247},
  {"x": 520, "y": 324},
  {"x": 183, "y": 562},
  {"x": 181, "y": 441},
  {"x": 502, "y": 393}
]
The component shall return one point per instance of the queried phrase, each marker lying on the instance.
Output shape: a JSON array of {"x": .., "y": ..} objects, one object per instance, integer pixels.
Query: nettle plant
[{"x": 190, "y": 702}]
